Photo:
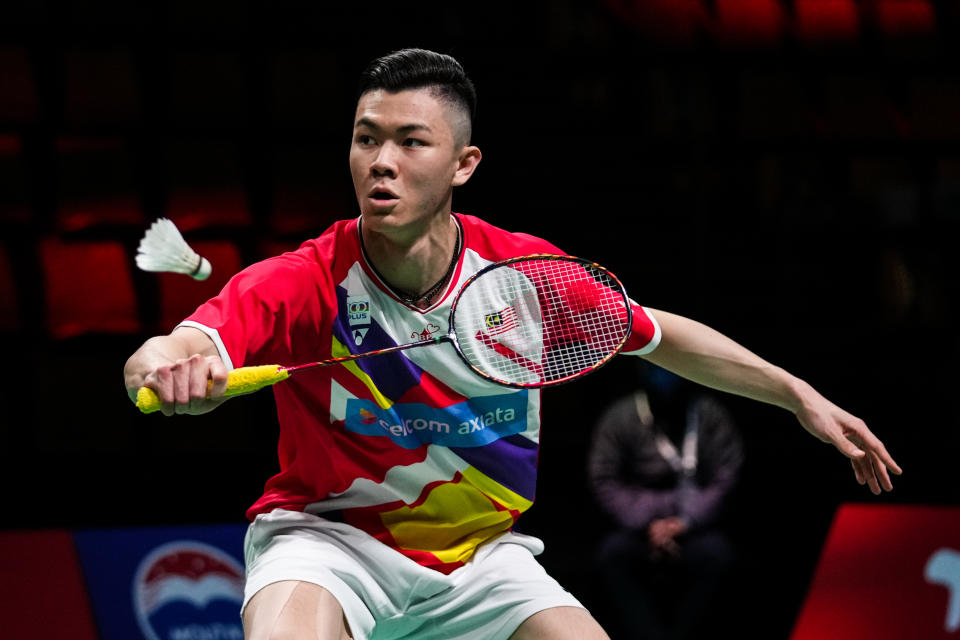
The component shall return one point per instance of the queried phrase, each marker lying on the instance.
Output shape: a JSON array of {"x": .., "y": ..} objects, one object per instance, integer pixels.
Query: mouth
[{"x": 382, "y": 196}]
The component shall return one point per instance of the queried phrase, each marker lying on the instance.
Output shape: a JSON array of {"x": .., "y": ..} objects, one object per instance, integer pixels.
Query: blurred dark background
[{"x": 786, "y": 171}]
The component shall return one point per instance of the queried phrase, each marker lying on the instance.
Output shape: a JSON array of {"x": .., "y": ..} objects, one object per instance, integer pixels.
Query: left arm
[{"x": 699, "y": 353}]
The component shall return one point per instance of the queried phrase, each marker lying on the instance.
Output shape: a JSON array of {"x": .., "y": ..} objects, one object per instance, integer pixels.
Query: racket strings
[{"x": 538, "y": 321}]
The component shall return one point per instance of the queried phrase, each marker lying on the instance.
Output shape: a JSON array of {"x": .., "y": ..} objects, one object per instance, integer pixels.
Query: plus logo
[
  {"x": 943, "y": 568},
  {"x": 427, "y": 332}
]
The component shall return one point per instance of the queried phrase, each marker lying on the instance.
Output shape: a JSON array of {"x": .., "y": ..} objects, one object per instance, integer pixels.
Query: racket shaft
[{"x": 358, "y": 356}]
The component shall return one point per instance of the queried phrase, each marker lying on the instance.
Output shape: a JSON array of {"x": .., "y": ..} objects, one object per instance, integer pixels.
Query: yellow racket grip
[{"x": 240, "y": 381}]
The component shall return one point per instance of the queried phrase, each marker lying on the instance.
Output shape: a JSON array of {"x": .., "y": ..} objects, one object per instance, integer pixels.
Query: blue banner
[{"x": 172, "y": 583}]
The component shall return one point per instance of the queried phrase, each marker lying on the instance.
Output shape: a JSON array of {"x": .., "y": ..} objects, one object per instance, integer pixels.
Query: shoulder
[{"x": 495, "y": 243}]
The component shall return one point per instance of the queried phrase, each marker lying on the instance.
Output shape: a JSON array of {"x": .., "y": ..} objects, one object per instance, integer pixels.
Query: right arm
[{"x": 183, "y": 368}]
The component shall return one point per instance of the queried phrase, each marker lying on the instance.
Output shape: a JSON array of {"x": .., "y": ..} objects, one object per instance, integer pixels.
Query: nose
[{"x": 385, "y": 162}]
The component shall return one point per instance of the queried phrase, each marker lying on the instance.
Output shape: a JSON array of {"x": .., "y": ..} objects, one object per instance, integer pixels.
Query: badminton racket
[{"x": 526, "y": 322}]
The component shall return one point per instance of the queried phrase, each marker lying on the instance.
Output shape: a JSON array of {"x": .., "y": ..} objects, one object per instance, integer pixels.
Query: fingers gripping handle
[{"x": 240, "y": 381}]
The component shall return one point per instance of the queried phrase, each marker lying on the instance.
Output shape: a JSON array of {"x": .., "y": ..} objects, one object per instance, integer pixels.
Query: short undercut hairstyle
[{"x": 422, "y": 69}]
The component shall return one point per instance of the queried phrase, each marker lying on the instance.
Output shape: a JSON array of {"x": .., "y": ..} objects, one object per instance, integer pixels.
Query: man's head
[
  {"x": 411, "y": 141},
  {"x": 441, "y": 74}
]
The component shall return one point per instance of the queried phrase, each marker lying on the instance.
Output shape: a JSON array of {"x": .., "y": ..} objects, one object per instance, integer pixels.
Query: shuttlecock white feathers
[{"x": 164, "y": 249}]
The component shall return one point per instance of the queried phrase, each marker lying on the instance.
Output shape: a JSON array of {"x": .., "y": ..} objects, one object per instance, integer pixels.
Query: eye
[
  {"x": 414, "y": 142},
  {"x": 364, "y": 139}
]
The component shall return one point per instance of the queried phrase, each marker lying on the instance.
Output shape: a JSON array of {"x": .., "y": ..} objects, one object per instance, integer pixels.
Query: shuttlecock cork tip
[{"x": 203, "y": 271}]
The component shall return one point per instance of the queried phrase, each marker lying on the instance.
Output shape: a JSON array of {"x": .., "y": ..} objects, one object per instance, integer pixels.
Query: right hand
[{"x": 191, "y": 385}]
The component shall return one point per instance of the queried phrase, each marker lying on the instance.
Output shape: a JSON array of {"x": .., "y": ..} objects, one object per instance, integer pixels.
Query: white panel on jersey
[{"x": 404, "y": 483}]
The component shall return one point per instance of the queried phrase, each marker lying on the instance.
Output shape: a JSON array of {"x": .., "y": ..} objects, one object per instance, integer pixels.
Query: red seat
[
  {"x": 206, "y": 189},
  {"x": 88, "y": 288},
  {"x": 748, "y": 22},
  {"x": 904, "y": 17},
  {"x": 826, "y": 21},
  {"x": 96, "y": 185},
  {"x": 180, "y": 295},
  {"x": 18, "y": 89}
]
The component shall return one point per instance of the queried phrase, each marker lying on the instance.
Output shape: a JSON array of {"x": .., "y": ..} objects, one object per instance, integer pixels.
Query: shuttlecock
[{"x": 164, "y": 249}]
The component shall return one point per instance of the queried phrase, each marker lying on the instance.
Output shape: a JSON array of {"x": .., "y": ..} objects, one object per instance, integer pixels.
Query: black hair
[{"x": 417, "y": 69}]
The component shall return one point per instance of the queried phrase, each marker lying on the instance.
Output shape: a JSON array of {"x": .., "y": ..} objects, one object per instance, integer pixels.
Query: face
[{"x": 405, "y": 158}]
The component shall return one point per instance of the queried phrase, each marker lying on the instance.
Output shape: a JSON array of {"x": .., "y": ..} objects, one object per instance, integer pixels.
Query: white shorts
[{"x": 384, "y": 594}]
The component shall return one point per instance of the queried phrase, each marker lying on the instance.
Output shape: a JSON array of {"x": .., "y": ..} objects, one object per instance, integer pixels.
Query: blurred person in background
[{"x": 663, "y": 463}]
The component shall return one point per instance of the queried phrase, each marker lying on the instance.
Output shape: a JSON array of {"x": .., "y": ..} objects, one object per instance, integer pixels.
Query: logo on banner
[
  {"x": 943, "y": 568},
  {"x": 188, "y": 590}
]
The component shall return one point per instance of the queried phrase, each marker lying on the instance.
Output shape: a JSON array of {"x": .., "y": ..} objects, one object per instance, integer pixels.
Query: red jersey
[{"x": 411, "y": 447}]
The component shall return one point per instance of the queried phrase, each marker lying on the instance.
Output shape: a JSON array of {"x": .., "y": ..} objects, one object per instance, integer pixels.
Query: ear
[{"x": 467, "y": 163}]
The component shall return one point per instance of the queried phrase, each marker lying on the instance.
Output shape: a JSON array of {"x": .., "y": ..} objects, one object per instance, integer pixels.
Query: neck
[{"x": 413, "y": 266}]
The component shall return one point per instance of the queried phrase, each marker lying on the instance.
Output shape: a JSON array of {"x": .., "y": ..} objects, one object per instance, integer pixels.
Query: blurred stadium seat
[
  {"x": 748, "y": 22},
  {"x": 10, "y": 309},
  {"x": 88, "y": 288},
  {"x": 97, "y": 185},
  {"x": 18, "y": 88},
  {"x": 826, "y": 21},
  {"x": 903, "y": 17},
  {"x": 206, "y": 189},
  {"x": 100, "y": 88},
  {"x": 180, "y": 295},
  {"x": 15, "y": 209},
  {"x": 673, "y": 22}
]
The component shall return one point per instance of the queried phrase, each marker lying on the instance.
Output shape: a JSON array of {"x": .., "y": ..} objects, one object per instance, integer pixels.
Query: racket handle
[{"x": 240, "y": 381}]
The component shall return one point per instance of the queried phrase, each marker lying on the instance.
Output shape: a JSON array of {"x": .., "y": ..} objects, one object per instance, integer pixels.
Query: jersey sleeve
[
  {"x": 254, "y": 318},
  {"x": 644, "y": 334}
]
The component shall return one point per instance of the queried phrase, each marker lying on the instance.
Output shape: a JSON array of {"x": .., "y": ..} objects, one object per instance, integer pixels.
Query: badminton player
[{"x": 401, "y": 476}]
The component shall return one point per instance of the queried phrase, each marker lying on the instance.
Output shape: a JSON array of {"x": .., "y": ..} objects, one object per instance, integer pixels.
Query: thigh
[
  {"x": 291, "y": 609},
  {"x": 491, "y": 597},
  {"x": 560, "y": 623}
]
